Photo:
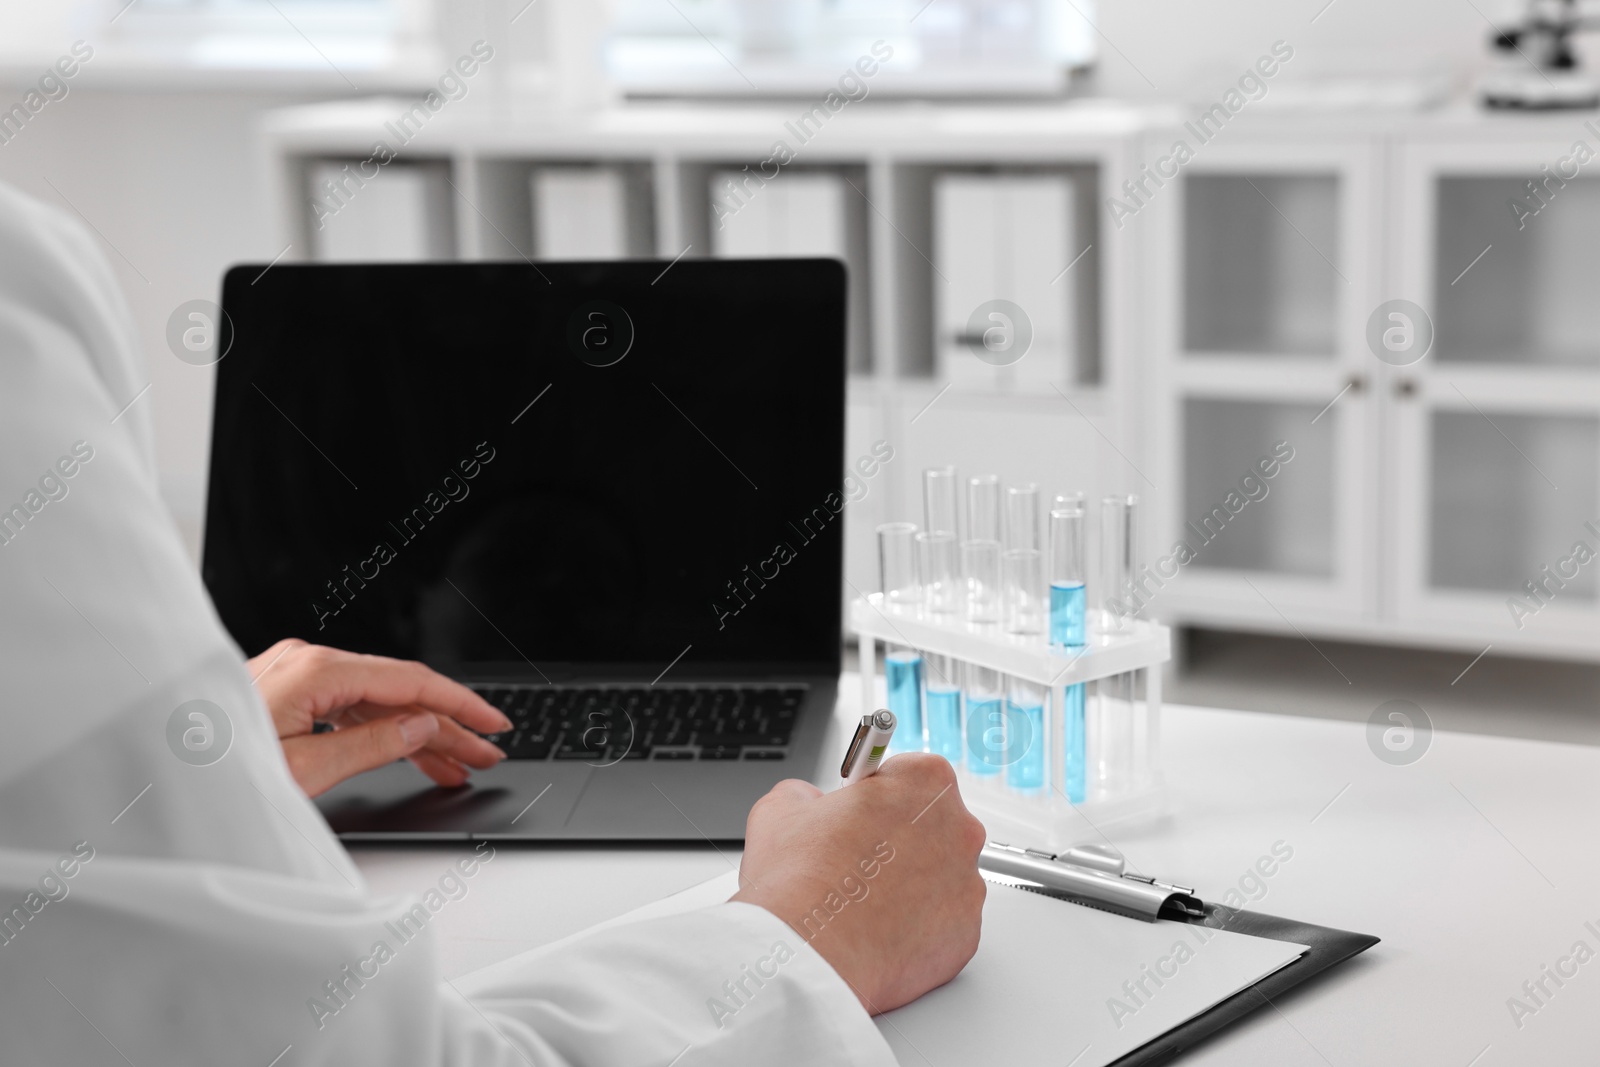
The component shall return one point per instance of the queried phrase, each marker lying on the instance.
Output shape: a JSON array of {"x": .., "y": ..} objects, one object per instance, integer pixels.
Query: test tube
[
  {"x": 944, "y": 707},
  {"x": 1025, "y": 744},
  {"x": 1022, "y": 517},
  {"x": 1022, "y": 572},
  {"x": 902, "y": 667},
  {"x": 1067, "y": 587},
  {"x": 1114, "y": 729},
  {"x": 1067, "y": 631},
  {"x": 1075, "y": 499},
  {"x": 939, "y": 562},
  {"x": 985, "y": 721},
  {"x": 980, "y": 565},
  {"x": 1113, "y": 590},
  {"x": 897, "y": 565},
  {"x": 1073, "y": 768},
  {"x": 983, "y": 508},
  {"x": 939, "y": 501}
]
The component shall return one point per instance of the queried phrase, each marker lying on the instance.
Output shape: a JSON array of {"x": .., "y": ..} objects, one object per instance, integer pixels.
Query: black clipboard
[{"x": 1326, "y": 948}]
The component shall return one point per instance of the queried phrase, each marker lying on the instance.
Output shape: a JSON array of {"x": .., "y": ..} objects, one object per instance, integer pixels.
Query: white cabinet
[
  {"x": 1262, "y": 270},
  {"x": 1217, "y": 346},
  {"x": 1496, "y": 433},
  {"x": 1004, "y": 237}
]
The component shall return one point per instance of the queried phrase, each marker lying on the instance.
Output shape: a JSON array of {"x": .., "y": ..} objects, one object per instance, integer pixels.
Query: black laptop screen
[{"x": 483, "y": 465}]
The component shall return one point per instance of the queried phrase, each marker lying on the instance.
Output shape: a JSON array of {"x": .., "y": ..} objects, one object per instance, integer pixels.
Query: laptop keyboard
[{"x": 610, "y": 724}]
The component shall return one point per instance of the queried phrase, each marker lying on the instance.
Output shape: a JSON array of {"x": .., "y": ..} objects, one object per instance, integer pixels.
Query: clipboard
[{"x": 1325, "y": 948}]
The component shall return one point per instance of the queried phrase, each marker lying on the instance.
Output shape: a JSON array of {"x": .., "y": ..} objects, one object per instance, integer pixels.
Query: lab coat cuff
[{"x": 850, "y": 1028}]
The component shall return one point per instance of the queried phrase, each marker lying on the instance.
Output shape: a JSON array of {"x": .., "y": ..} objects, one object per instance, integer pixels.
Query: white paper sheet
[
  {"x": 1043, "y": 985},
  {"x": 1047, "y": 985}
]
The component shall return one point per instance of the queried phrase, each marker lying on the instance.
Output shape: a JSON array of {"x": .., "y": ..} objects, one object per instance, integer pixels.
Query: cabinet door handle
[
  {"x": 1405, "y": 388},
  {"x": 1356, "y": 383}
]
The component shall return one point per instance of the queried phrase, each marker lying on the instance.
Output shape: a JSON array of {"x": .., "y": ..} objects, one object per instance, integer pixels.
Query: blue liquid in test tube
[
  {"x": 1075, "y": 770},
  {"x": 1026, "y": 771},
  {"x": 903, "y": 671},
  {"x": 985, "y": 734},
  {"x": 1067, "y": 630},
  {"x": 1067, "y": 601},
  {"x": 943, "y": 708}
]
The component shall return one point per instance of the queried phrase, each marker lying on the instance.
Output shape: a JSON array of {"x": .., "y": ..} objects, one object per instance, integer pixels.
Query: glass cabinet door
[
  {"x": 1263, "y": 269},
  {"x": 1496, "y": 431}
]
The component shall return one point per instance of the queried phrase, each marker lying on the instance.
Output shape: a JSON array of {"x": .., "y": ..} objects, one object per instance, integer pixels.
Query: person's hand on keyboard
[
  {"x": 881, "y": 878},
  {"x": 380, "y": 709}
]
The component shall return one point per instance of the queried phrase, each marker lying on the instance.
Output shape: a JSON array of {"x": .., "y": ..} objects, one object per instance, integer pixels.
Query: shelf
[{"x": 1146, "y": 644}]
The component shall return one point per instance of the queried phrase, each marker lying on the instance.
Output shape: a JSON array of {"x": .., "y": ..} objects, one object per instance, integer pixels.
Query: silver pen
[
  {"x": 865, "y": 754},
  {"x": 1095, "y": 876}
]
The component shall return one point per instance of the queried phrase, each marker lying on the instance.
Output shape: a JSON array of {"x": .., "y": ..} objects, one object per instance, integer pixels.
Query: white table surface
[{"x": 1477, "y": 865}]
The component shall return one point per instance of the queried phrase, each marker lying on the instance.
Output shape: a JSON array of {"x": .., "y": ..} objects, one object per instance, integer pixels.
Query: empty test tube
[
  {"x": 939, "y": 507},
  {"x": 980, "y": 566},
  {"x": 983, "y": 508},
  {"x": 1113, "y": 730},
  {"x": 1022, "y": 573},
  {"x": 1022, "y": 518},
  {"x": 939, "y": 565},
  {"x": 1115, "y": 585}
]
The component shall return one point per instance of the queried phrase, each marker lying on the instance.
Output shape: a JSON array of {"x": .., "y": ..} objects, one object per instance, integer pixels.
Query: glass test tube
[
  {"x": 1067, "y": 630},
  {"x": 980, "y": 565},
  {"x": 1067, "y": 587},
  {"x": 1113, "y": 729},
  {"x": 1022, "y": 573},
  {"x": 985, "y": 720},
  {"x": 939, "y": 563},
  {"x": 1024, "y": 742},
  {"x": 938, "y": 559},
  {"x": 902, "y": 667},
  {"x": 944, "y": 707},
  {"x": 939, "y": 509},
  {"x": 1022, "y": 517},
  {"x": 1070, "y": 500},
  {"x": 983, "y": 508},
  {"x": 1113, "y": 592}
]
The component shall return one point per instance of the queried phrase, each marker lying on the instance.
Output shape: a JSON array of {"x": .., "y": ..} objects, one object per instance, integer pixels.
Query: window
[
  {"x": 273, "y": 34},
  {"x": 941, "y": 47}
]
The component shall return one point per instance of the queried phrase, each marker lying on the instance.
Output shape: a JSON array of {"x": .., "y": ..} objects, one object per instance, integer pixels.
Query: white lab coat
[{"x": 156, "y": 912}]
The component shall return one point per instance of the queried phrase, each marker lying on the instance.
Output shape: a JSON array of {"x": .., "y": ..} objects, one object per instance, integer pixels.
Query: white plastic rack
[{"x": 1046, "y": 819}]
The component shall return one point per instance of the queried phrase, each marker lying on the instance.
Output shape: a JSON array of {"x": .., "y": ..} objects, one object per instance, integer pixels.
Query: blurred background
[{"x": 1359, "y": 234}]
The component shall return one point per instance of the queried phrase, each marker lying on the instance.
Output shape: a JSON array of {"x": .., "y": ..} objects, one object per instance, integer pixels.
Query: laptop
[{"x": 606, "y": 496}]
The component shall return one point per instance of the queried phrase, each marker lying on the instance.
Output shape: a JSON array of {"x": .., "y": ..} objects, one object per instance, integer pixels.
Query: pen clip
[{"x": 852, "y": 753}]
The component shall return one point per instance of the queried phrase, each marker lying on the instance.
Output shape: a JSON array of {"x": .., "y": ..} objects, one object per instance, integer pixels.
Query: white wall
[
  {"x": 173, "y": 181},
  {"x": 1189, "y": 47},
  {"x": 172, "y": 178}
]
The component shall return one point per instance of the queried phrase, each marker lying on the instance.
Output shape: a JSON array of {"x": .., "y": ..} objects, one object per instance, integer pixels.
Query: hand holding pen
[{"x": 882, "y": 878}]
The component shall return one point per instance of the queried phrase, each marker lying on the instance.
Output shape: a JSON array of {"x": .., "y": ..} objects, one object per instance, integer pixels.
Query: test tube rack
[{"x": 1047, "y": 819}]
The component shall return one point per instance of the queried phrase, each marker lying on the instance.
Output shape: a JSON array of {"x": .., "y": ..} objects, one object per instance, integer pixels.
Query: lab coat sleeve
[
  {"x": 159, "y": 907},
  {"x": 731, "y": 984}
]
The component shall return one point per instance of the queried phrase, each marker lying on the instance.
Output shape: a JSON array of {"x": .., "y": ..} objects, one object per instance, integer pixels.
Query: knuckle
[
  {"x": 931, "y": 768},
  {"x": 976, "y": 835},
  {"x": 317, "y": 656}
]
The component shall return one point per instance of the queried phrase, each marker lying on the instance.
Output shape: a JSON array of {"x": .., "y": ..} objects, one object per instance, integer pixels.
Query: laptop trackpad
[
  {"x": 682, "y": 801},
  {"x": 533, "y": 798}
]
